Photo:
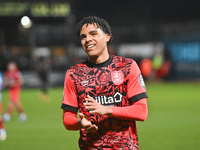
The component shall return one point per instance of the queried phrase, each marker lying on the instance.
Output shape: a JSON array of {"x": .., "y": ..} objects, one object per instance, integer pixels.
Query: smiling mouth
[{"x": 88, "y": 47}]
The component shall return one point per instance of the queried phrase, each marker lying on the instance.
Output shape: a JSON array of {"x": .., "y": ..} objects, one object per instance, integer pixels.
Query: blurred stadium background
[
  {"x": 141, "y": 29},
  {"x": 162, "y": 36}
]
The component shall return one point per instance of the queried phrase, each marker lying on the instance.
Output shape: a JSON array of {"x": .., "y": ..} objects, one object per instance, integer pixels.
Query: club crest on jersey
[{"x": 117, "y": 77}]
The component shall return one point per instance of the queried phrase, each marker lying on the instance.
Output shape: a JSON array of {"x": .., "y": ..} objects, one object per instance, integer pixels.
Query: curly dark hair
[{"x": 101, "y": 23}]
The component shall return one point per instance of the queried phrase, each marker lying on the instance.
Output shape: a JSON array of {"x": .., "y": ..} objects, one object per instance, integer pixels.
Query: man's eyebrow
[{"x": 93, "y": 31}]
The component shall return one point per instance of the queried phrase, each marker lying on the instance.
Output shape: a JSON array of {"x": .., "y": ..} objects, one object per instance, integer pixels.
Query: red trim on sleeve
[
  {"x": 70, "y": 120},
  {"x": 138, "y": 111}
]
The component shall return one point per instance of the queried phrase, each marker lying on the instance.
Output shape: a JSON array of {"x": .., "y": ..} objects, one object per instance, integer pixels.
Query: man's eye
[
  {"x": 82, "y": 37},
  {"x": 93, "y": 33}
]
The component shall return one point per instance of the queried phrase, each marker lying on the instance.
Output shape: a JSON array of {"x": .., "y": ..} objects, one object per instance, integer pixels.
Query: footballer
[
  {"x": 107, "y": 92},
  {"x": 13, "y": 79},
  {"x": 2, "y": 127}
]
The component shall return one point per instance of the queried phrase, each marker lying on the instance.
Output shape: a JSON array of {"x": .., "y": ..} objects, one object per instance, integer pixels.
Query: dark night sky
[
  {"x": 125, "y": 12},
  {"x": 119, "y": 13}
]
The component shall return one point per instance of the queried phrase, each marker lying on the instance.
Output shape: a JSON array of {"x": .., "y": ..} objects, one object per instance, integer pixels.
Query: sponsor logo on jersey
[
  {"x": 85, "y": 83},
  {"x": 117, "y": 77},
  {"x": 110, "y": 100},
  {"x": 141, "y": 81}
]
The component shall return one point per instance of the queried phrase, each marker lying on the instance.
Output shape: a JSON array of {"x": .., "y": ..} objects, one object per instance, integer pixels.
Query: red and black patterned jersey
[{"x": 115, "y": 82}]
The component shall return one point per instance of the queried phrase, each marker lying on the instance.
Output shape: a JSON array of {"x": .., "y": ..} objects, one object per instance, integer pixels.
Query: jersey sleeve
[
  {"x": 69, "y": 94},
  {"x": 136, "y": 89},
  {"x": 1, "y": 84},
  {"x": 138, "y": 111},
  {"x": 1, "y": 81},
  {"x": 19, "y": 76}
]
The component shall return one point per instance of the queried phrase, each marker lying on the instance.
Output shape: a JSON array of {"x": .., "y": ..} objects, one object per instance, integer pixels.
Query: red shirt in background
[{"x": 14, "y": 79}]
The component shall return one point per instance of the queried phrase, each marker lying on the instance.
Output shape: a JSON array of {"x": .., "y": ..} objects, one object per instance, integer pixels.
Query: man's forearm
[
  {"x": 137, "y": 112},
  {"x": 70, "y": 120}
]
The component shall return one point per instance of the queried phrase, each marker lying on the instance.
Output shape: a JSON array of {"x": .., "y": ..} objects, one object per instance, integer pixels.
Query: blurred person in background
[
  {"x": 13, "y": 79},
  {"x": 43, "y": 73},
  {"x": 108, "y": 91},
  {"x": 2, "y": 128}
]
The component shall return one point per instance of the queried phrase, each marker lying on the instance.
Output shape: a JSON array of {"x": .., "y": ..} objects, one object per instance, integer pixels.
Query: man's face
[
  {"x": 11, "y": 67},
  {"x": 93, "y": 40}
]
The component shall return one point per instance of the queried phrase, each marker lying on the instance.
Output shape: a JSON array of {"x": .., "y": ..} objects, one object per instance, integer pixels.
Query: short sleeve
[
  {"x": 19, "y": 76},
  {"x": 69, "y": 95},
  {"x": 136, "y": 89}
]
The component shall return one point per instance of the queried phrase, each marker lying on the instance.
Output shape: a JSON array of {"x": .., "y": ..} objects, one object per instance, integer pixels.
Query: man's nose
[{"x": 88, "y": 38}]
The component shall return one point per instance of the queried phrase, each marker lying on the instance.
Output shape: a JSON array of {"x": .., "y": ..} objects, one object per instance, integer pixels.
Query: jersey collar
[{"x": 103, "y": 64}]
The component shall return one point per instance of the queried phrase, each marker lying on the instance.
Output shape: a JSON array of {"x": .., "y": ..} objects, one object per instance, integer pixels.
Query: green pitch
[{"x": 173, "y": 122}]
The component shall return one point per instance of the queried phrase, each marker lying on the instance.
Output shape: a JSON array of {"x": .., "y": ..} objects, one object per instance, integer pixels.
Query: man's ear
[{"x": 107, "y": 37}]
